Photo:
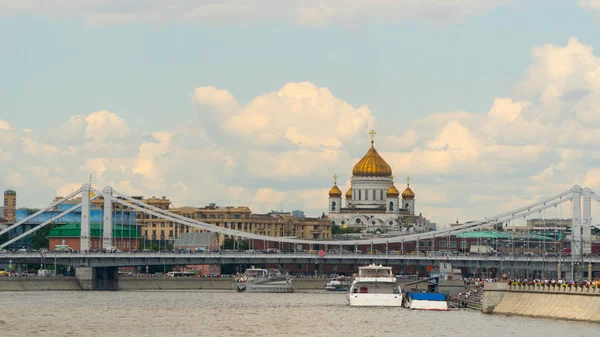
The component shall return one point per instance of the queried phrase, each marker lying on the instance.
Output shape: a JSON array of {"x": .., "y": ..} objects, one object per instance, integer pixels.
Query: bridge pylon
[
  {"x": 85, "y": 218},
  {"x": 107, "y": 228}
]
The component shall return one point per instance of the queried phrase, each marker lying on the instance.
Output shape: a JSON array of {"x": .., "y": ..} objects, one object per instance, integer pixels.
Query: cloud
[
  {"x": 299, "y": 114},
  {"x": 281, "y": 148},
  {"x": 591, "y": 5},
  {"x": 302, "y": 12}
]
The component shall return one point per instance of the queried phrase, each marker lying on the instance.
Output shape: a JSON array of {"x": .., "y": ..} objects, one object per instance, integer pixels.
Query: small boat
[
  {"x": 340, "y": 283},
  {"x": 426, "y": 301},
  {"x": 257, "y": 280},
  {"x": 374, "y": 286}
]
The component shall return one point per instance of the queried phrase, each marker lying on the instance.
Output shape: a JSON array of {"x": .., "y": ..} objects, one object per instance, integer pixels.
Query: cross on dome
[
  {"x": 372, "y": 133},
  {"x": 408, "y": 180},
  {"x": 335, "y": 179}
]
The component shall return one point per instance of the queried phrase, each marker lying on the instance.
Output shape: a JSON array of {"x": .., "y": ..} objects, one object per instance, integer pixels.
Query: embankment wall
[
  {"x": 535, "y": 301},
  {"x": 139, "y": 283},
  {"x": 147, "y": 283},
  {"x": 38, "y": 283}
]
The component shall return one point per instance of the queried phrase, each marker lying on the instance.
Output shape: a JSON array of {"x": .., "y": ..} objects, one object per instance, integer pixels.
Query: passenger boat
[
  {"x": 341, "y": 283},
  {"x": 374, "y": 286},
  {"x": 257, "y": 280}
]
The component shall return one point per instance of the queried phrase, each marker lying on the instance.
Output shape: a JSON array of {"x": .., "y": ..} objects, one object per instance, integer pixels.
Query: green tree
[
  {"x": 39, "y": 239},
  {"x": 232, "y": 244}
]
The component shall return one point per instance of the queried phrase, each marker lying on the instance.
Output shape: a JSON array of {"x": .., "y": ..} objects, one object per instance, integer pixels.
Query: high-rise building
[{"x": 10, "y": 205}]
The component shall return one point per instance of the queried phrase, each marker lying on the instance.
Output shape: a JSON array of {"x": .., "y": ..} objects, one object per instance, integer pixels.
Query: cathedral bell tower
[
  {"x": 392, "y": 201},
  {"x": 408, "y": 198},
  {"x": 335, "y": 197}
]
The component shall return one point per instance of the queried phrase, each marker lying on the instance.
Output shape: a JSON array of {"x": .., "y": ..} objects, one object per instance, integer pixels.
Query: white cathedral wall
[{"x": 363, "y": 187}]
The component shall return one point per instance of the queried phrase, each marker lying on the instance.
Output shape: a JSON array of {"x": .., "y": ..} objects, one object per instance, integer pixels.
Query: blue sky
[
  {"x": 149, "y": 69},
  {"x": 57, "y": 65}
]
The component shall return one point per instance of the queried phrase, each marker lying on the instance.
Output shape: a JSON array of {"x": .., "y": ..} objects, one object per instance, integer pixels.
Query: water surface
[{"x": 226, "y": 313}]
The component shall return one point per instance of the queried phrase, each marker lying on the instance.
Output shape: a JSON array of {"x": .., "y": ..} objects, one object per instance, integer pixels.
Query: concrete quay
[
  {"x": 83, "y": 282},
  {"x": 579, "y": 304}
]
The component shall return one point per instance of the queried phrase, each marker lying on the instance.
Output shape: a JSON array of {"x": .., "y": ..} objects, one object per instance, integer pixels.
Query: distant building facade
[
  {"x": 10, "y": 206},
  {"x": 239, "y": 218}
]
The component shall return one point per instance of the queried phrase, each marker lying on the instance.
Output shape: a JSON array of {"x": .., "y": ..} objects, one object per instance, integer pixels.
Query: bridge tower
[
  {"x": 586, "y": 222},
  {"x": 85, "y": 219},
  {"x": 576, "y": 225},
  {"x": 107, "y": 227}
]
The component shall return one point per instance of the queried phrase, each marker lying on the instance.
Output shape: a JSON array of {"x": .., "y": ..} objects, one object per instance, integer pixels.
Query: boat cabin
[{"x": 375, "y": 272}]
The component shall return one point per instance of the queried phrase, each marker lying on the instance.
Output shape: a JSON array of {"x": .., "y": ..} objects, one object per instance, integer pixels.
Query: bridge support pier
[{"x": 98, "y": 278}]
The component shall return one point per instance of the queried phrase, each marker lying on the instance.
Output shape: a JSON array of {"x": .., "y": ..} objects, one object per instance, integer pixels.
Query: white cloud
[
  {"x": 299, "y": 114},
  {"x": 4, "y": 125},
  {"x": 303, "y": 12},
  {"x": 282, "y": 147}
]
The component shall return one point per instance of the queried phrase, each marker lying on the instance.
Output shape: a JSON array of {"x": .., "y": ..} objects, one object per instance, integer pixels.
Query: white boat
[
  {"x": 257, "y": 280},
  {"x": 375, "y": 286},
  {"x": 340, "y": 283}
]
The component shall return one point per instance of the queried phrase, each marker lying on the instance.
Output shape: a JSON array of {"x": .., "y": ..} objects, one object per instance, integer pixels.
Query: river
[{"x": 226, "y": 313}]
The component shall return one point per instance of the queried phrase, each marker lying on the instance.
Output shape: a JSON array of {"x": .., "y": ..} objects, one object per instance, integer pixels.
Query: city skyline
[{"x": 483, "y": 111}]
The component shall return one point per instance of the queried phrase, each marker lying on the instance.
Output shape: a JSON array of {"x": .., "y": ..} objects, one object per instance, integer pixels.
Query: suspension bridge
[{"x": 103, "y": 266}]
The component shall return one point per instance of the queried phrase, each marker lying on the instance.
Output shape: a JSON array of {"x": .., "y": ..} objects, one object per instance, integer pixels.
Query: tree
[
  {"x": 231, "y": 244},
  {"x": 39, "y": 239}
]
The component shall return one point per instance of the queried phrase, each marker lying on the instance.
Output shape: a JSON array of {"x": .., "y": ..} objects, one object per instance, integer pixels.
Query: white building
[{"x": 373, "y": 202}]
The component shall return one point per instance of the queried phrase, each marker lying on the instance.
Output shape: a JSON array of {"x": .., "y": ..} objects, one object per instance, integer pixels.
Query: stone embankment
[
  {"x": 39, "y": 283},
  {"x": 140, "y": 283},
  {"x": 573, "y": 303}
]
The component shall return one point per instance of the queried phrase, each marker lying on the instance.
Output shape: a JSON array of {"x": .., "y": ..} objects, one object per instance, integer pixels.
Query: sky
[{"x": 486, "y": 105}]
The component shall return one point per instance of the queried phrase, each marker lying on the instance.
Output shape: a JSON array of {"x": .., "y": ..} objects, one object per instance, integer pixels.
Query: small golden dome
[
  {"x": 372, "y": 165},
  {"x": 393, "y": 192},
  {"x": 349, "y": 193},
  {"x": 408, "y": 194},
  {"x": 335, "y": 192}
]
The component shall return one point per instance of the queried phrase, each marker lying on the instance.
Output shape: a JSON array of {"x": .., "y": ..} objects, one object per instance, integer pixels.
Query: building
[
  {"x": 373, "y": 202},
  {"x": 298, "y": 213},
  {"x": 241, "y": 218},
  {"x": 125, "y": 238},
  {"x": 10, "y": 205},
  {"x": 122, "y": 216}
]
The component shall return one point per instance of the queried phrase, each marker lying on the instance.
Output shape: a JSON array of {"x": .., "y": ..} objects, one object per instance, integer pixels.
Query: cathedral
[{"x": 373, "y": 203}]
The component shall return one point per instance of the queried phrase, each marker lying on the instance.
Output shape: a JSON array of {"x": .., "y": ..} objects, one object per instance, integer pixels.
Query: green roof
[
  {"x": 499, "y": 235},
  {"x": 484, "y": 235},
  {"x": 96, "y": 229}
]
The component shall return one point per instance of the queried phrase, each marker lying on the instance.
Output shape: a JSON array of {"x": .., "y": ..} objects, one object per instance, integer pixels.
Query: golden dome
[
  {"x": 349, "y": 193},
  {"x": 408, "y": 194},
  {"x": 372, "y": 165},
  {"x": 335, "y": 192},
  {"x": 393, "y": 192}
]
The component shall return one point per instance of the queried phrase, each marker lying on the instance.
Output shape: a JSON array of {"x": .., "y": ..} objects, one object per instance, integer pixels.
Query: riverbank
[
  {"x": 154, "y": 283},
  {"x": 579, "y": 304},
  {"x": 141, "y": 283}
]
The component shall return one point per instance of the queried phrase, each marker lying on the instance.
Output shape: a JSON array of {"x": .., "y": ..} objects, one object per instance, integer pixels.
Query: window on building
[
  {"x": 463, "y": 244},
  {"x": 366, "y": 194},
  {"x": 162, "y": 224},
  {"x": 170, "y": 234},
  {"x": 359, "y": 194},
  {"x": 406, "y": 206},
  {"x": 171, "y": 225},
  {"x": 333, "y": 206},
  {"x": 391, "y": 206},
  {"x": 452, "y": 244},
  {"x": 443, "y": 244},
  {"x": 429, "y": 243},
  {"x": 374, "y": 195}
]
